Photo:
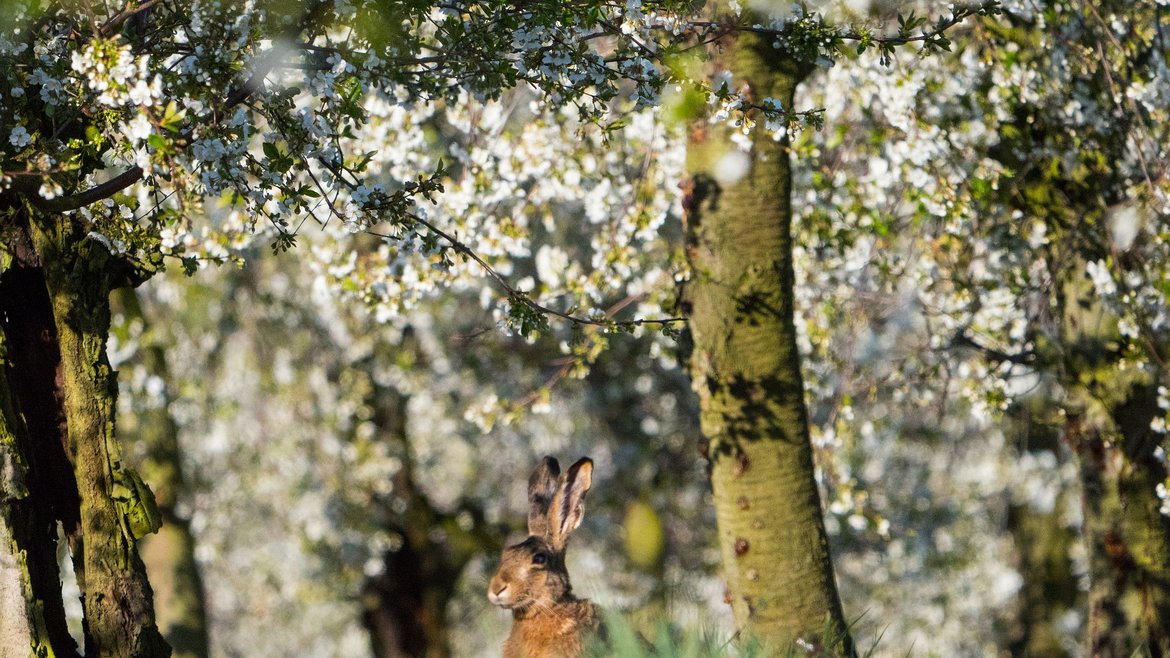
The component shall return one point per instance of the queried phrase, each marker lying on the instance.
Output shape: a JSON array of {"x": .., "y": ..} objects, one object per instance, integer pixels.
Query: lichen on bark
[
  {"x": 19, "y": 616},
  {"x": 117, "y": 599}
]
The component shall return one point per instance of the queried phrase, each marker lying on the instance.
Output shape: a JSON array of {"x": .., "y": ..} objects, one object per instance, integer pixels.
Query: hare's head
[{"x": 532, "y": 572}]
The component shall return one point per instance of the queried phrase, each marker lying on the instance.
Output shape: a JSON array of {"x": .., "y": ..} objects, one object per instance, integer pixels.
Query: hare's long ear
[
  {"x": 542, "y": 487},
  {"x": 568, "y": 505}
]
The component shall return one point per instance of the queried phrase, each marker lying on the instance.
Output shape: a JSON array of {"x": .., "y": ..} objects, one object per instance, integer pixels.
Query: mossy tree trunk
[
  {"x": 55, "y": 308},
  {"x": 40, "y": 491},
  {"x": 21, "y": 622},
  {"x": 1108, "y": 380},
  {"x": 153, "y": 439},
  {"x": 1109, "y": 408},
  {"x": 32, "y": 617},
  {"x": 746, "y": 370}
]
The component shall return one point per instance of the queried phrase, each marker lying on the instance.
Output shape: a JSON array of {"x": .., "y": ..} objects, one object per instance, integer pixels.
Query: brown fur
[
  {"x": 558, "y": 632},
  {"x": 532, "y": 581}
]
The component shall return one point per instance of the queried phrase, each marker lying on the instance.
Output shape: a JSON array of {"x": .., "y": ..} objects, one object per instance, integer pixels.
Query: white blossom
[{"x": 19, "y": 137}]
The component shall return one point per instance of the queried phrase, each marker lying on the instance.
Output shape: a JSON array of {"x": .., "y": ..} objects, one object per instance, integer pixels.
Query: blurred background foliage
[{"x": 329, "y": 477}]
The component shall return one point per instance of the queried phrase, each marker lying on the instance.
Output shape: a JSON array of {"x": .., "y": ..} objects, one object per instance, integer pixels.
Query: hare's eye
[{"x": 539, "y": 558}]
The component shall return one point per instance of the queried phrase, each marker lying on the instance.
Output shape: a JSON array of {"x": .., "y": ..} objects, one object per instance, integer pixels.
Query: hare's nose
[{"x": 497, "y": 592}]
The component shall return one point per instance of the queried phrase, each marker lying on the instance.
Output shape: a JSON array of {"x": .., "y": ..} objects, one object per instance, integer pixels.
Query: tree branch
[
  {"x": 517, "y": 295},
  {"x": 134, "y": 174},
  {"x": 959, "y": 15},
  {"x": 962, "y": 339},
  {"x": 130, "y": 9},
  {"x": 84, "y": 198}
]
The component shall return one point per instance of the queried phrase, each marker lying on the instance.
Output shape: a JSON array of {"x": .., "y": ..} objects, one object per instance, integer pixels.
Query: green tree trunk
[
  {"x": 39, "y": 489},
  {"x": 19, "y": 617},
  {"x": 23, "y": 611},
  {"x": 169, "y": 555},
  {"x": 116, "y": 597},
  {"x": 20, "y": 620},
  {"x": 1109, "y": 408},
  {"x": 746, "y": 370}
]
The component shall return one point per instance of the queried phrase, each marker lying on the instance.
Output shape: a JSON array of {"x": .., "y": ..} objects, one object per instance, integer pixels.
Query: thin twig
[
  {"x": 519, "y": 295},
  {"x": 130, "y": 9},
  {"x": 135, "y": 174}
]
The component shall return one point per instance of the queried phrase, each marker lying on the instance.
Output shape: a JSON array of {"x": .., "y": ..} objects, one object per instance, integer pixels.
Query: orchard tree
[
  {"x": 153, "y": 132},
  {"x": 1019, "y": 189},
  {"x": 125, "y": 126},
  {"x": 740, "y": 302},
  {"x": 752, "y": 419},
  {"x": 1083, "y": 164}
]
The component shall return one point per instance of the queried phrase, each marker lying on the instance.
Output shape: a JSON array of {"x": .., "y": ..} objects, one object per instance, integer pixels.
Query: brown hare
[{"x": 532, "y": 581}]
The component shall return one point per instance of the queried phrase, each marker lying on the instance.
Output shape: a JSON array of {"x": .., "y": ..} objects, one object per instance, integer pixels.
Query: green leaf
[{"x": 172, "y": 117}]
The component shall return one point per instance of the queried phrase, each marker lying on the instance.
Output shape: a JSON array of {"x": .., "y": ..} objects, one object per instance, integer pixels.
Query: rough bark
[
  {"x": 1129, "y": 551},
  {"x": 22, "y": 618},
  {"x": 169, "y": 555},
  {"x": 32, "y": 400},
  {"x": 746, "y": 370},
  {"x": 1109, "y": 408},
  {"x": 117, "y": 600},
  {"x": 1108, "y": 381}
]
